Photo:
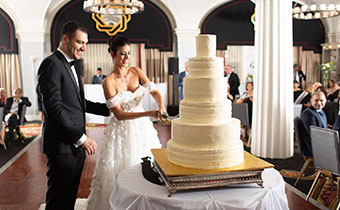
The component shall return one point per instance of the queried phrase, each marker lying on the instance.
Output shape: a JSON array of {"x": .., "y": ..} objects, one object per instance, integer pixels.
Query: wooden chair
[
  {"x": 240, "y": 111},
  {"x": 325, "y": 144},
  {"x": 308, "y": 160}
]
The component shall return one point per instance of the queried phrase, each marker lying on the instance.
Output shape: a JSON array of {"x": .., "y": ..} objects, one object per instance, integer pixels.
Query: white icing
[
  {"x": 193, "y": 112},
  {"x": 205, "y": 89},
  {"x": 206, "y": 45},
  {"x": 205, "y": 136}
]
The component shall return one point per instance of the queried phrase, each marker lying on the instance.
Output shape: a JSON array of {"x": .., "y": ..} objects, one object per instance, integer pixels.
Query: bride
[{"x": 130, "y": 134}]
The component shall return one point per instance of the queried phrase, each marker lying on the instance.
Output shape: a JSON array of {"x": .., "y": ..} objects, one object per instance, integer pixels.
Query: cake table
[{"x": 181, "y": 178}]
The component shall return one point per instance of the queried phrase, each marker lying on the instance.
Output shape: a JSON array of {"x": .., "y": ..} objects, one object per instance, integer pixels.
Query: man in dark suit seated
[
  {"x": 304, "y": 97},
  {"x": 99, "y": 77},
  {"x": 12, "y": 112},
  {"x": 233, "y": 81},
  {"x": 313, "y": 115}
]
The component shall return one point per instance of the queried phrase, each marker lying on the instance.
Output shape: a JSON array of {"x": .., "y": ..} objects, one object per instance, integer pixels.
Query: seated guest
[
  {"x": 12, "y": 112},
  {"x": 313, "y": 115},
  {"x": 229, "y": 96},
  {"x": 98, "y": 78},
  {"x": 247, "y": 98},
  {"x": 304, "y": 97},
  {"x": 331, "y": 109},
  {"x": 297, "y": 90},
  {"x": 333, "y": 97},
  {"x": 3, "y": 97},
  {"x": 315, "y": 86},
  {"x": 330, "y": 87}
]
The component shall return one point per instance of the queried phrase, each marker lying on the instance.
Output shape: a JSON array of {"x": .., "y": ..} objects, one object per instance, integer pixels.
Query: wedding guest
[
  {"x": 229, "y": 96},
  {"x": 3, "y": 97},
  {"x": 330, "y": 87},
  {"x": 304, "y": 97},
  {"x": 315, "y": 86},
  {"x": 299, "y": 76},
  {"x": 98, "y": 78},
  {"x": 247, "y": 98},
  {"x": 182, "y": 75},
  {"x": 313, "y": 115},
  {"x": 297, "y": 90},
  {"x": 330, "y": 108},
  {"x": 12, "y": 112},
  {"x": 333, "y": 97},
  {"x": 233, "y": 81}
]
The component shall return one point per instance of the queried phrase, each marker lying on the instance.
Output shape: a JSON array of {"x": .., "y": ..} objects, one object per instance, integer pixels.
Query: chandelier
[
  {"x": 113, "y": 7},
  {"x": 315, "y": 11}
]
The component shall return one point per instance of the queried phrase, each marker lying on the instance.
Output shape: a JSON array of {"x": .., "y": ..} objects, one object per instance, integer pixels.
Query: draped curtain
[
  {"x": 310, "y": 62},
  {"x": 10, "y": 73},
  {"x": 152, "y": 61}
]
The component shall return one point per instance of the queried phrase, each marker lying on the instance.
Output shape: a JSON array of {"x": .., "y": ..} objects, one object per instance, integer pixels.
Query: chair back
[
  {"x": 23, "y": 113},
  {"x": 325, "y": 144},
  {"x": 240, "y": 111},
  {"x": 1, "y": 116},
  {"x": 297, "y": 128},
  {"x": 297, "y": 110}
]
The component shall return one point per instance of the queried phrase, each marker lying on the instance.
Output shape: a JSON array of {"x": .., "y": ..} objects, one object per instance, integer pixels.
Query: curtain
[
  {"x": 309, "y": 62},
  {"x": 152, "y": 61},
  {"x": 234, "y": 58},
  {"x": 10, "y": 73}
]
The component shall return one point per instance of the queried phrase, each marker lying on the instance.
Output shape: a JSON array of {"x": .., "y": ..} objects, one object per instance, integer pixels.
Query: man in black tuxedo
[
  {"x": 64, "y": 107},
  {"x": 313, "y": 115},
  {"x": 233, "y": 81},
  {"x": 299, "y": 76},
  {"x": 98, "y": 78},
  {"x": 12, "y": 112}
]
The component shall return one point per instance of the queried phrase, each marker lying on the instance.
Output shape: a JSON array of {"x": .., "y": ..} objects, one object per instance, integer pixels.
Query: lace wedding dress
[{"x": 124, "y": 143}]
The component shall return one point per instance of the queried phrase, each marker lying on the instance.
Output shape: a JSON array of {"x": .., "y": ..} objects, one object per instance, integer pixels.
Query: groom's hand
[{"x": 90, "y": 146}]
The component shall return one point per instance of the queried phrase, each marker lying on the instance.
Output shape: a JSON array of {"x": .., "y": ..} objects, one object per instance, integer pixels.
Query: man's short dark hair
[
  {"x": 296, "y": 66},
  {"x": 99, "y": 69},
  {"x": 70, "y": 28}
]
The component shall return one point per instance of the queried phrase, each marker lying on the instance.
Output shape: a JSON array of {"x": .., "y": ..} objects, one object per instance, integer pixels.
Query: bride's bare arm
[
  {"x": 155, "y": 93},
  {"x": 110, "y": 92}
]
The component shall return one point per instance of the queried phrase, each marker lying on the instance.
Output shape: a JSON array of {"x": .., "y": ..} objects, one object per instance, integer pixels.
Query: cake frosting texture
[{"x": 205, "y": 135}]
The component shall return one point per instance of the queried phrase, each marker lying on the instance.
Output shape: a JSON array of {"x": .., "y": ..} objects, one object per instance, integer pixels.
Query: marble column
[{"x": 272, "y": 126}]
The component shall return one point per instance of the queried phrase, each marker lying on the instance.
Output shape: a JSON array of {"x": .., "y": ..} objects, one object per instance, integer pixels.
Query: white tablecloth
[{"x": 132, "y": 192}]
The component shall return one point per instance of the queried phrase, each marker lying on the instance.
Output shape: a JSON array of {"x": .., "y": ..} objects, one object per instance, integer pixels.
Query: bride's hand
[{"x": 155, "y": 114}]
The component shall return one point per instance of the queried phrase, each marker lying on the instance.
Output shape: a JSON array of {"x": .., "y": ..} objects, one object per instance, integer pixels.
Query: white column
[
  {"x": 31, "y": 53},
  {"x": 186, "y": 45},
  {"x": 272, "y": 131}
]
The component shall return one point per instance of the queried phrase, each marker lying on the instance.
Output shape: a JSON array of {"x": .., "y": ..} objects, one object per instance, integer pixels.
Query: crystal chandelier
[
  {"x": 316, "y": 11},
  {"x": 113, "y": 7}
]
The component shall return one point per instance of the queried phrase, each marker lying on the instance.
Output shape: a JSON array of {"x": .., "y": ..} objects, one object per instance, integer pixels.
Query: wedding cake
[{"x": 205, "y": 136}]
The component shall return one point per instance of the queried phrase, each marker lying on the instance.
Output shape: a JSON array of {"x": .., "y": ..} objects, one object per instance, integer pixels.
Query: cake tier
[
  {"x": 206, "y": 45},
  {"x": 205, "y": 89},
  {"x": 206, "y": 67},
  {"x": 205, "y": 135},
  {"x": 202, "y": 113},
  {"x": 205, "y": 158}
]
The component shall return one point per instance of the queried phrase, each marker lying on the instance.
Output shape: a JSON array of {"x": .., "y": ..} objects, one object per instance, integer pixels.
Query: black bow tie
[{"x": 71, "y": 63}]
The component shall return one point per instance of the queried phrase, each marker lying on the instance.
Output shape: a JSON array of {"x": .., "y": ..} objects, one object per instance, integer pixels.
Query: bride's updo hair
[{"x": 116, "y": 42}]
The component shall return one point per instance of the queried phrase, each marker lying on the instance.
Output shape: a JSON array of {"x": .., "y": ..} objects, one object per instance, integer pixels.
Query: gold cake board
[{"x": 180, "y": 178}]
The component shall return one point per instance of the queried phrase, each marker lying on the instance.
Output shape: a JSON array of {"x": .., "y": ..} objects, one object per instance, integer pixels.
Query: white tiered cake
[{"x": 205, "y": 136}]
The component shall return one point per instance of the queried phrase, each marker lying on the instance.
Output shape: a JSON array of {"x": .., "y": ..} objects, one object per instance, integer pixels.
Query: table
[{"x": 132, "y": 191}]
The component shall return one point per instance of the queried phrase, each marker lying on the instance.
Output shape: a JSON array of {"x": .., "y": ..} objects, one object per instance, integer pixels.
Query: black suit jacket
[
  {"x": 9, "y": 103},
  {"x": 95, "y": 79},
  {"x": 64, "y": 105},
  {"x": 234, "y": 83},
  {"x": 309, "y": 117},
  {"x": 333, "y": 96},
  {"x": 302, "y": 77}
]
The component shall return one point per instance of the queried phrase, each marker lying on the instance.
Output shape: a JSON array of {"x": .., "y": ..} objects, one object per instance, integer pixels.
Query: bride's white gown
[{"x": 124, "y": 143}]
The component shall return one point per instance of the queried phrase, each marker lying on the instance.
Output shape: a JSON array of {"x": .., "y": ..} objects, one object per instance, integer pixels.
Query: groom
[{"x": 64, "y": 107}]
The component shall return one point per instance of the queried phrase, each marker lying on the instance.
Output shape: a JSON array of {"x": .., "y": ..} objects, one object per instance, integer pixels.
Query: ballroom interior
[{"x": 259, "y": 39}]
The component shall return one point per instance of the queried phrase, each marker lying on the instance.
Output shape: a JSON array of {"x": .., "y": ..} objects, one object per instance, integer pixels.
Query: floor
[{"x": 23, "y": 184}]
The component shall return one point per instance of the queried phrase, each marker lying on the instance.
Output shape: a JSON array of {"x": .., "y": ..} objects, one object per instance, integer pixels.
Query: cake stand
[{"x": 180, "y": 178}]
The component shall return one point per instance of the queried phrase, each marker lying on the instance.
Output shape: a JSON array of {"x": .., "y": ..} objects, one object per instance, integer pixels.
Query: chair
[
  {"x": 325, "y": 144},
  {"x": 240, "y": 111},
  {"x": 297, "y": 110},
  {"x": 308, "y": 160}
]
